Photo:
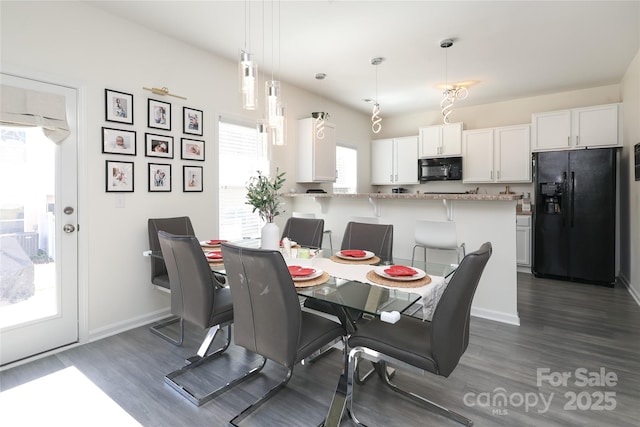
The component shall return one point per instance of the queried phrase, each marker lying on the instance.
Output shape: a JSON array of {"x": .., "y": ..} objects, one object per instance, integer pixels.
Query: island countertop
[{"x": 412, "y": 196}]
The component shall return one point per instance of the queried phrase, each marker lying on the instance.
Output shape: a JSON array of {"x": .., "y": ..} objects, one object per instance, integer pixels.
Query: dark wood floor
[{"x": 565, "y": 327}]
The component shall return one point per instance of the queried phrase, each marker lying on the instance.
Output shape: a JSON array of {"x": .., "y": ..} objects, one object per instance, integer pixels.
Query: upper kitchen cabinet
[
  {"x": 597, "y": 126},
  {"x": 441, "y": 141},
  {"x": 394, "y": 161},
  {"x": 316, "y": 157},
  {"x": 500, "y": 154}
]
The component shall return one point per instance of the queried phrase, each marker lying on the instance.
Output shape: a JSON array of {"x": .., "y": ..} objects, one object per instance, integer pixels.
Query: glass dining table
[{"x": 348, "y": 288}]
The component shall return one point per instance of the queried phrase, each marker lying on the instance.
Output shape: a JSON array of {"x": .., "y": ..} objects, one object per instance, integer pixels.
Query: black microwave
[{"x": 441, "y": 169}]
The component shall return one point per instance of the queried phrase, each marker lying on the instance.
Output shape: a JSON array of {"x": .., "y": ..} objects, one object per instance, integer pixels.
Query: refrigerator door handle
[
  {"x": 573, "y": 192},
  {"x": 564, "y": 192}
]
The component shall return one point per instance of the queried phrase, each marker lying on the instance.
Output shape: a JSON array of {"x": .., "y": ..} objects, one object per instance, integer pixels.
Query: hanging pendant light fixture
[
  {"x": 247, "y": 68},
  {"x": 451, "y": 93},
  {"x": 320, "y": 116},
  {"x": 376, "y": 120}
]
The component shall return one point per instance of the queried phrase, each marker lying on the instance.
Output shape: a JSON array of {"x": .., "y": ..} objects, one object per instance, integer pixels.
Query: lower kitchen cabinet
[{"x": 523, "y": 240}]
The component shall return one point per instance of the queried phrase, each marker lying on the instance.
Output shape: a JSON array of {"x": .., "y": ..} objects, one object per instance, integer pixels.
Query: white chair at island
[{"x": 438, "y": 235}]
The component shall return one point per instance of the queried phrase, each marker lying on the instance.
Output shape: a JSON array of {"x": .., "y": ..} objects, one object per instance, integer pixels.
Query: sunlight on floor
[{"x": 66, "y": 397}]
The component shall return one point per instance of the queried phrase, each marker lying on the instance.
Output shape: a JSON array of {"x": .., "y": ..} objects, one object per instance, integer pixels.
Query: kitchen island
[{"x": 479, "y": 218}]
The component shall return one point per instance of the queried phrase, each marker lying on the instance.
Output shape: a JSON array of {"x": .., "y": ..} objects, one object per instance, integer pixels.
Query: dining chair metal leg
[
  {"x": 268, "y": 395},
  {"x": 157, "y": 330},
  {"x": 321, "y": 352},
  {"x": 426, "y": 402},
  {"x": 199, "y": 359}
]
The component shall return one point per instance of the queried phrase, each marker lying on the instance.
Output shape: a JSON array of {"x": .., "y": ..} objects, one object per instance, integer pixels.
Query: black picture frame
[
  {"x": 119, "y": 141},
  {"x": 118, "y": 106},
  {"x": 159, "y": 177},
  {"x": 192, "y": 179},
  {"x": 119, "y": 177},
  {"x": 636, "y": 159},
  {"x": 192, "y": 121},
  {"x": 191, "y": 149},
  {"x": 158, "y": 114},
  {"x": 158, "y": 145}
]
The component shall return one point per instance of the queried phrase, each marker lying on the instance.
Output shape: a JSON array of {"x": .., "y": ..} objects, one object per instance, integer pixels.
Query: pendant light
[
  {"x": 320, "y": 116},
  {"x": 451, "y": 93},
  {"x": 376, "y": 120},
  {"x": 247, "y": 68}
]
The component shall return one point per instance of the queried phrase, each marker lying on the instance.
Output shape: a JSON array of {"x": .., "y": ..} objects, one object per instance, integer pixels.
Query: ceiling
[{"x": 509, "y": 49}]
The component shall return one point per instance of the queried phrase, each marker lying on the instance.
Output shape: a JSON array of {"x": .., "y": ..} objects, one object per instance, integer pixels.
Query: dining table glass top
[{"x": 347, "y": 285}]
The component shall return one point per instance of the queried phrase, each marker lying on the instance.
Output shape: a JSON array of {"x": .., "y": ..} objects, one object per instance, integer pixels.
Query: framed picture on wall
[
  {"x": 158, "y": 145},
  {"x": 636, "y": 159},
  {"x": 118, "y": 141},
  {"x": 118, "y": 106},
  {"x": 159, "y": 114},
  {"x": 192, "y": 178},
  {"x": 192, "y": 121},
  {"x": 159, "y": 177},
  {"x": 119, "y": 177},
  {"x": 192, "y": 149}
]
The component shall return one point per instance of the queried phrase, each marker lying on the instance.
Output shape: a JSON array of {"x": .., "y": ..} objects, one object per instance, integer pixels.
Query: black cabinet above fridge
[{"x": 575, "y": 215}]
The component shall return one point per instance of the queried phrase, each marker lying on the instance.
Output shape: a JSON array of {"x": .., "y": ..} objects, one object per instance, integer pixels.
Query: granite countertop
[{"x": 413, "y": 196}]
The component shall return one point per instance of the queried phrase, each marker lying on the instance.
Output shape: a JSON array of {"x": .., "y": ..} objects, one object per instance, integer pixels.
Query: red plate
[
  {"x": 400, "y": 270},
  {"x": 355, "y": 253},
  {"x": 214, "y": 255},
  {"x": 298, "y": 271},
  {"x": 215, "y": 242}
]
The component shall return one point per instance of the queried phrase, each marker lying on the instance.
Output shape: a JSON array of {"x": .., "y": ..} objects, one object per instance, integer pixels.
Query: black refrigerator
[{"x": 574, "y": 235}]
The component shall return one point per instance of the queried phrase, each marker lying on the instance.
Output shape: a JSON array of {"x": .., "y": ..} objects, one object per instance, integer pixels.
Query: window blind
[{"x": 239, "y": 158}]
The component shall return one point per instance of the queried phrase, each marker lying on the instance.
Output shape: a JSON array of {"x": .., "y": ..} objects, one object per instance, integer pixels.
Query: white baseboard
[
  {"x": 497, "y": 316},
  {"x": 634, "y": 293},
  {"x": 123, "y": 326}
]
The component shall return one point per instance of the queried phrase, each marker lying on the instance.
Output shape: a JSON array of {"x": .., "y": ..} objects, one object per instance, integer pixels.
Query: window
[
  {"x": 239, "y": 159},
  {"x": 346, "y": 170}
]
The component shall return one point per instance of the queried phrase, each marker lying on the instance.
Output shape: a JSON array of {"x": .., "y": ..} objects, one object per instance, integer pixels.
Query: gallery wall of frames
[{"x": 159, "y": 144}]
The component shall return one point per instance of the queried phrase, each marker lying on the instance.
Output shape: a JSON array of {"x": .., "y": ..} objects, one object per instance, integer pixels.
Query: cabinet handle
[
  {"x": 498, "y": 174},
  {"x": 577, "y": 139},
  {"x": 391, "y": 178},
  {"x": 491, "y": 174},
  {"x": 396, "y": 178},
  {"x": 568, "y": 141}
]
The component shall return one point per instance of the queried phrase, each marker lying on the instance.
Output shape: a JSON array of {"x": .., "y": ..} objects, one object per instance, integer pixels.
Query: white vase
[{"x": 270, "y": 238}]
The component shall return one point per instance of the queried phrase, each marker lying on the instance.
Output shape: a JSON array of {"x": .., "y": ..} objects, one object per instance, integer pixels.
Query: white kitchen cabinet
[
  {"x": 394, "y": 161},
  {"x": 316, "y": 157},
  {"x": 500, "y": 154},
  {"x": 523, "y": 240},
  {"x": 441, "y": 141},
  {"x": 597, "y": 126}
]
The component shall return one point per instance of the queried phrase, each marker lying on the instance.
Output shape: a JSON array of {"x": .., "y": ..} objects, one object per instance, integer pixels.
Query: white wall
[
  {"x": 629, "y": 187},
  {"x": 73, "y": 41}
]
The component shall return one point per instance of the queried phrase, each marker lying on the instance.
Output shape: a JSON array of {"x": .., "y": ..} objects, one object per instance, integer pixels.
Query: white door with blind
[{"x": 38, "y": 231}]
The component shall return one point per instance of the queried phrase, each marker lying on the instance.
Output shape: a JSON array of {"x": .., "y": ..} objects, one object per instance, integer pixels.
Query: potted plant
[{"x": 263, "y": 194}]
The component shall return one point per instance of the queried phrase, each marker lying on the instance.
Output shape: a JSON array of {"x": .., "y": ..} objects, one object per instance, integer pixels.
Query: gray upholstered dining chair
[
  {"x": 159, "y": 277},
  {"x": 327, "y": 232},
  {"x": 268, "y": 318},
  {"x": 434, "y": 346},
  {"x": 304, "y": 231},
  {"x": 376, "y": 238},
  {"x": 197, "y": 298}
]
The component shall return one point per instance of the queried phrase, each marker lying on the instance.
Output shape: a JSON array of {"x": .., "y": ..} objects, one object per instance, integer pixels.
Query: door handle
[{"x": 68, "y": 228}]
